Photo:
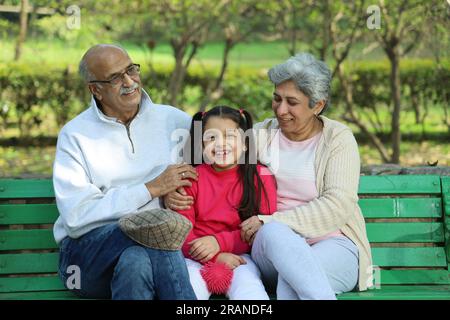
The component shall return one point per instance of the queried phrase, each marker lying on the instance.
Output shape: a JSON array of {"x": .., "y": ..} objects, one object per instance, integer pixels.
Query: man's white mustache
[{"x": 128, "y": 90}]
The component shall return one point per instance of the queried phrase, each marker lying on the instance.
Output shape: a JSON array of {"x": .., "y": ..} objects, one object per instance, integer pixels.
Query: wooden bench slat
[
  {"x": 414, "y": 276},
  {"x": 401, "y": 207},
  {"x": 446, "y": 202},
  {"x": 28, "y": 263},
  {"x": 395, "y": 184},
  {"x": 401, "y": 232},
  {"x": 20, "y": 284},
  {"x": 409, "y": 257},
  {"x": 405, "y": 232},
  {"x": 28, "y": 214},
  {"x": 427, "y": 232},
  {"x": 26, "y": 188},
  {"x": 27, "y": 239},
  {"x": 385, "y": 293},
  {"x": 371, "y": 208},
  {"x": 39, "y": 295},
  {"x": 387, "y": 277},
  {"x": 384, "y": 257},
  {"x": 400, "y": 293},
  {"x": 400, "y": 184}
]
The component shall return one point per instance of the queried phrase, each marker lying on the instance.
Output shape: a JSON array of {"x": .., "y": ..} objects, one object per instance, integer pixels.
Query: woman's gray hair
[{"x": 312, "y": 77}]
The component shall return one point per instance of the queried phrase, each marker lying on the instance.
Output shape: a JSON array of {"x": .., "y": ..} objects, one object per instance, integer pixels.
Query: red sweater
[{"x": 217, "y": 196}]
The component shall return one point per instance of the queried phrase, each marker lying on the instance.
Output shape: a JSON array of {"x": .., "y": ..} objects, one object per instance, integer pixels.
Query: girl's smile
[{"x": 222, "y": 143}]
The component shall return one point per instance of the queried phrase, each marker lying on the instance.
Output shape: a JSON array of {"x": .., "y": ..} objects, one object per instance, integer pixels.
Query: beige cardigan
[{"x": 337, "y": 168}]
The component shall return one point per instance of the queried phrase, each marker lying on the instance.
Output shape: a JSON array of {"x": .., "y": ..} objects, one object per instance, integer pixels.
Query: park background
[{"x": 390, "y": 64}]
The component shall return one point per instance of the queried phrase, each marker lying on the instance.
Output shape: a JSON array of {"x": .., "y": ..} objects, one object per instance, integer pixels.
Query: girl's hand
[
  {"x": 231, "y": 260},
  {"x": 178, "y": 200},
  {"x": 204, "y": 249},
  {"x": 249, "y": 228}
]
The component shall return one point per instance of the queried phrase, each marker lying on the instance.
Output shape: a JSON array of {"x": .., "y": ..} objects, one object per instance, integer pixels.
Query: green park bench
[{"x": 408, "y": 224}]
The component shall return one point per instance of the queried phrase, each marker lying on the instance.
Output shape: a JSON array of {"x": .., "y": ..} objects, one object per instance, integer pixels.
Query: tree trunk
[
  {"x": 416, "y": 106},
  {"x": 446, "y": 112},
  {"x": 23, "y": 28},
  {"x": 175, "y": 83},
  {"x": 175, "y": 77},
  {"x": 178, "y": 74},
  {"x": 293, "y": 48},
  {"x": 346, "y": 86},
  {"x": 229, "y": 44},
  {"x": 394, "y": 59},
  {"x": 325, "y": 31}
]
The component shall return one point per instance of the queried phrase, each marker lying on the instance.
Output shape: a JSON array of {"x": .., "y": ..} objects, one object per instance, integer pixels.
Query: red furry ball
[{"x": 217, "y": 276}]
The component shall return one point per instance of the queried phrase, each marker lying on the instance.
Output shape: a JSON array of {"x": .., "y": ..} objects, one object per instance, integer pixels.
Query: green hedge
[
  {"x": 418, "y": 77},
  {"x": 32, "y": 94}
]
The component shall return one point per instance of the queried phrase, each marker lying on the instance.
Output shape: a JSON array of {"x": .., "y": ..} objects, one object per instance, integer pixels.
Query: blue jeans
[
  {"x": 111, "y": 265},
  {"x": 300, "y": 271}
]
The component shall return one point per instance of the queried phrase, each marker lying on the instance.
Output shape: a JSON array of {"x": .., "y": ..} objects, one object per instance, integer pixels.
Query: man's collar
[{"x": 146, "y": 102}]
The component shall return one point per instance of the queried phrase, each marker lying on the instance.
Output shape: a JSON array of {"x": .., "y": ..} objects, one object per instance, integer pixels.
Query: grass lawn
[
  {"x": 258, "y": 55},
  {"x": 249, "y": 54}
]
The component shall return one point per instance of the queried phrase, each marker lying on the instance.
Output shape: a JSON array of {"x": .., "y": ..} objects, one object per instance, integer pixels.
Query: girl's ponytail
[
  {"x": 247, "y": 117},
  {"x": 195, "y": 140},
  {"x": 252, "y": 194}
]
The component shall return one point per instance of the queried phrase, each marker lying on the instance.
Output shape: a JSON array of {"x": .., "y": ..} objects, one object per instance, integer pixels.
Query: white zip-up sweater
[{"x": 101, "y": 166}]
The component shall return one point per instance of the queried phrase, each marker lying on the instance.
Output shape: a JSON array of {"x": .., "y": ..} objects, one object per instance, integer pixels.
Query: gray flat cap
[{"x": 156, "y": 228}]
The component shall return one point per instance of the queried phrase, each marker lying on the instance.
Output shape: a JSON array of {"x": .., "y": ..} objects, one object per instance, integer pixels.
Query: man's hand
[
  {"x": 204, "y": 249},
  {"x": 231, "y": 260},
  {"x": 174, "y": 177},
  {"x": 178, "y": 200},
  {"x": 249, "y": 228}
]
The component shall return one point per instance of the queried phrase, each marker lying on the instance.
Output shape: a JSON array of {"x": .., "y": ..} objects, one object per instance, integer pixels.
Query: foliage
[{"x": 31, "y": 92}]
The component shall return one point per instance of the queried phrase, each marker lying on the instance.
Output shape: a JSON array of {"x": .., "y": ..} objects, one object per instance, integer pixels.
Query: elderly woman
[{"x": 315, "y": 245}]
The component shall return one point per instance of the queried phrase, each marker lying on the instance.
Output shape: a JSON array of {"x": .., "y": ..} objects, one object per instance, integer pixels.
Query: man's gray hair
[
  {"x": 311, "y": 76},
  {"x": 83, "y": 70}
]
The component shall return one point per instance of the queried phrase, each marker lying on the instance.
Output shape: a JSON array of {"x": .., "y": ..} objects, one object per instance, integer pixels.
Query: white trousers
[
  {"x": 246, "y": 283},
  {"x": 300, "y": 271}
]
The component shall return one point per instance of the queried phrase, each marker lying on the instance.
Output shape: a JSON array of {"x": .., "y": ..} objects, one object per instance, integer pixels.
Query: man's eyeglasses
[{"x": 132, "y": 71}]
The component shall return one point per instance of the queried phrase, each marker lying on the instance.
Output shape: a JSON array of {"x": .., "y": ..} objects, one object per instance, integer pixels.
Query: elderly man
[{"x": 111, "y": 160}]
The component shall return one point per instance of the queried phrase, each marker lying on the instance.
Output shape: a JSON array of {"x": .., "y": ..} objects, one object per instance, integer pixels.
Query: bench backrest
[
  {"x": 28, "y": 252},
  {"x": 405, "y": 224},
  {"x": 404, "y": 215}
]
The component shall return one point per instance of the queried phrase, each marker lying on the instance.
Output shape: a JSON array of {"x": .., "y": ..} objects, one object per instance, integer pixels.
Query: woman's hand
[
  {"x": 178, "y": 200},
  {"x": 249, "y": 228},
  {"x": 231, "y": 260},
  {"x": 204, "y": 249}
]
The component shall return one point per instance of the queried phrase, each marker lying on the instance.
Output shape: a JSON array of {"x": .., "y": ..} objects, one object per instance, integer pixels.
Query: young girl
[{"x": 231, "y": 187}]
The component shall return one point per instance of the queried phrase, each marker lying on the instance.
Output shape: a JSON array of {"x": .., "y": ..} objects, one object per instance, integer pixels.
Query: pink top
[
  {"x": 296, "y": 176},
  {"x": 217, "y": 196}
]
